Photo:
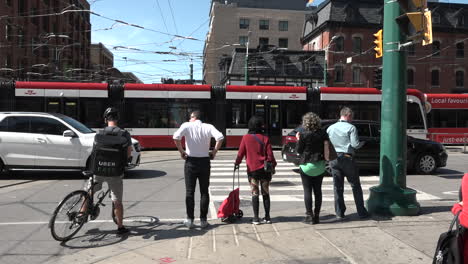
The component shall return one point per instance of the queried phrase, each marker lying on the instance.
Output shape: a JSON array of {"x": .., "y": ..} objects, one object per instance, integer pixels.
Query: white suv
[{"x": 47, "y": 141}]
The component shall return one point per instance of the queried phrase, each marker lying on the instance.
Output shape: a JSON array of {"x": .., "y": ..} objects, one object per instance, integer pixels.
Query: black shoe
[
  {"x": 315, "y": 219},
  {"x": 255, "y": 221},
  {"x": 340, "y": 218},
  {"x": 307, "y": 219},
  {"x": 122, "y": 230}
]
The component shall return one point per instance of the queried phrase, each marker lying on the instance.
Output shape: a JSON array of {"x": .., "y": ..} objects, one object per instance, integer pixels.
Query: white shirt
[{"x": 197, "y": 137}]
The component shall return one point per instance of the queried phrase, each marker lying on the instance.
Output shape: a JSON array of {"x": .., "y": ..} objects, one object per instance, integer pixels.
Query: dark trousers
[
  {"x": 312, "y": 184},
  {"x": 197, "y": 168},
  {"x": 346, "y": 167}
]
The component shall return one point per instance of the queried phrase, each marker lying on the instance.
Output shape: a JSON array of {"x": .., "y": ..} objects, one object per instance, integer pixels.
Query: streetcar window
[
  {"x": 449, "y": 118},
  {"x": 29, "y": 104},
  {"x": 363, "y": 130},
  {"x": 239, "y": 116},
  {"x": 294, "y": 112},
  {"x": 91, "y": 112},
  {"x": 180, "y": 113},
  {"x": 147, "y": 113},
  {"x": 53, "y": 106},
  {"x": 71, "y": 109},
  {"x": 415, "y": 119}
]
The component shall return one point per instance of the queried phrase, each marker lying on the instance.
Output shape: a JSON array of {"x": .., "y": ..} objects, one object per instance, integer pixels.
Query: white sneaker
[
  {"x": 204, "y": 223},
  {"x": 188, "y": 223}
]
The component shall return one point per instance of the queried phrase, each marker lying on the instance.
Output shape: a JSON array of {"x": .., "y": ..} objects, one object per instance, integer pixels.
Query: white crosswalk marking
[{"x": 286, "y": 185}]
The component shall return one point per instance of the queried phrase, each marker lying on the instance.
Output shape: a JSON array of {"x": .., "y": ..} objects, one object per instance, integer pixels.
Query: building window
[
  {"x": 264, "y": 24},
  {"x": 460, "y": 50},
  {"x": 283, "y": 43},
  {"x": 436, "y": 18},
  {"x": 244, "y": 23},
  {"x": 338, "y": 73},
  {"x": 263, "y": 41},
  {"x": 8, "y": 32},
  {"x": 459, "y": 78},
  {"x": 339, "y": 44},
  {"x": 283, "y": 26},
  {"x": 411, "y": 50},
  {"x": 243, "y": 40},
  {"x": 356, "y": 75},
  {"x": 8, "y": 2},
  {"x": 410, "y": 76},
  {"x": 435, "y": 78},
  {"x": 357, "y": 45},
  {"x": 436, "y": 48}
]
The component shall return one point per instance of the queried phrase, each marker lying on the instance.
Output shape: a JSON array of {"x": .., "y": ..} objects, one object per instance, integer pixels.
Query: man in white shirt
[{"x": 197, "y": 163}]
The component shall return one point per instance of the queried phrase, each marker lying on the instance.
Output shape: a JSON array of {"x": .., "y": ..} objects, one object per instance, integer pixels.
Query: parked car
[
  {"x": 423, "y": 156},
  {"x": 31, "y": 140}
]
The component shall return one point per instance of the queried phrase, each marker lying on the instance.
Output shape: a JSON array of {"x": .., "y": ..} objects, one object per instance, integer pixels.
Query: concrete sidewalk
[{"x": 287, "y": 240}]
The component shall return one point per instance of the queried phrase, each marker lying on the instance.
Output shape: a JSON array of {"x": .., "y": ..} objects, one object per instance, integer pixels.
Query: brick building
[
  {"x": 346, "y": 28},
  {"x": 44, "y": 47},
  {"x": 272, "y": 22}
]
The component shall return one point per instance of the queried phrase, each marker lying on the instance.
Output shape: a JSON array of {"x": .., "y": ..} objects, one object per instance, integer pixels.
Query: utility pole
[
  {"x": 392, "y": 196},
  {"x": 191, "y": 71}
]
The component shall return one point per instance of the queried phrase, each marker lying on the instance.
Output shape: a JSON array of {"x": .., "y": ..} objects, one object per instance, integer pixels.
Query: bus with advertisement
[{"x": 448, "y": 118}]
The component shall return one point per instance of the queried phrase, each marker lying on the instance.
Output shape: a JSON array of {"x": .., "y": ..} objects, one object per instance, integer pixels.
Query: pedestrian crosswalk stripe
[
  {"x": 292, "y": 179},
  {"x": 273, "y": 188},
  {"x": 421, "y": 196}
]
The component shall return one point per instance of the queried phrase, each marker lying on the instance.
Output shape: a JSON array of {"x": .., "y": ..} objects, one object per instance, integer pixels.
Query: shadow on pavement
[
  {"x": 94, "y": 238},
  {"x": 435, "y": 209},
  {"x": 143, "y": 174},
  {"x": 449, "y": 174}
]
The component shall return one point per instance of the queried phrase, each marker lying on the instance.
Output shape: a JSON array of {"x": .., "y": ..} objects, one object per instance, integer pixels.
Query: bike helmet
[{"x": 111, "y": 113}]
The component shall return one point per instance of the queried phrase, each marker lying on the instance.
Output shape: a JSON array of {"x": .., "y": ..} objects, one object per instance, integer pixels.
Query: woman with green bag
[{"x": 310, "y": 146}]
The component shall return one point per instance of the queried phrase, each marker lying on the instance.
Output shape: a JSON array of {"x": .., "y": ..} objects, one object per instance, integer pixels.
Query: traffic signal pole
[{"x": 391, "y": 196}]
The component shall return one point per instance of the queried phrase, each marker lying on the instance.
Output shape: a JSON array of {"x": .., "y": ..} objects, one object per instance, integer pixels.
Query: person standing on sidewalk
[
  {"x": 197, "y": 163},
  {"x": 310, "y": 146},
  {"x": 463, "y": 216},
  {"x": 256, "y": 149},
  {"x": 344, "y": 137}
]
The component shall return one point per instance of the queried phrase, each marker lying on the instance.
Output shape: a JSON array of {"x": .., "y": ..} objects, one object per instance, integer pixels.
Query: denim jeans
[
  {"x": 197, "y": 168},
  {"x": 346, "y": 167}
]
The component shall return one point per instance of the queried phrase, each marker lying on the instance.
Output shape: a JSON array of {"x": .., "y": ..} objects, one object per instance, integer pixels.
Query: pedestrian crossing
[{"x": 286, "y": 185}]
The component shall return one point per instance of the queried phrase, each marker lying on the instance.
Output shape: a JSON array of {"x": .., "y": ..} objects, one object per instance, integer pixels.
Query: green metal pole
[{"x": 391, "y": 197}]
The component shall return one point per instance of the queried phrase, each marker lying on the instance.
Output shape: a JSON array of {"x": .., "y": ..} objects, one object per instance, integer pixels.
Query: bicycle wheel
[{"x": 66, "y": 221}]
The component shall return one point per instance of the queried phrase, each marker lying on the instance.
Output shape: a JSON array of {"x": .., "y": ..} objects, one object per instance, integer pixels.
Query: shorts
[{"x": 115, "y": 185}]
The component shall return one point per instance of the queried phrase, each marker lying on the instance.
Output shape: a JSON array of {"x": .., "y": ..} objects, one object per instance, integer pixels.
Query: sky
[{"x": 175, "y": 26}]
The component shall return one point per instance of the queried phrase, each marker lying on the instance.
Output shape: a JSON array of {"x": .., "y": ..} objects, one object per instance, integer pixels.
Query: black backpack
[
  {"x": 450, "y": 245},
  {"x": 110, "y": 152}
]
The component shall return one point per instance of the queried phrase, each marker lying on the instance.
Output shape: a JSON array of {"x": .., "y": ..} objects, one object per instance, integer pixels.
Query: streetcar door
[
  {"x": 53, "y": 105},
  {"x": 271, "y": 113}
]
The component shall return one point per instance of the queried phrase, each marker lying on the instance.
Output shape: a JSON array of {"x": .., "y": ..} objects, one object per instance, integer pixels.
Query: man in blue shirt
[{"x": 345, "y": 139}]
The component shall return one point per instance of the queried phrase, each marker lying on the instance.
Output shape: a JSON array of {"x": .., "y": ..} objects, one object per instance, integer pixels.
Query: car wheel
[{"x": 425, "y": 164}]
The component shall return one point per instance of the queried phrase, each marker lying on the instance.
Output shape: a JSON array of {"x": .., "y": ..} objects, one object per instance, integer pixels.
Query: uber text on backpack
[{"x": 109, "y": 152}]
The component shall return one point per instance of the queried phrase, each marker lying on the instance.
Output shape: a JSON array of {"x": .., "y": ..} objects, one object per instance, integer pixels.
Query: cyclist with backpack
[{"x": 111, "y": 150}]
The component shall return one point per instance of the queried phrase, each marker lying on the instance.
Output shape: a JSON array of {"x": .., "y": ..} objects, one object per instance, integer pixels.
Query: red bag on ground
[{"x": 229, "y": 210}]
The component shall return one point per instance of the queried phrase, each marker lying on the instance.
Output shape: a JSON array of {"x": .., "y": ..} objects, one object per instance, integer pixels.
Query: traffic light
[
  {"x": 416, "y": 22},
  {"x": 378, "y": 44},
  {"x": 378, "y": 78}
]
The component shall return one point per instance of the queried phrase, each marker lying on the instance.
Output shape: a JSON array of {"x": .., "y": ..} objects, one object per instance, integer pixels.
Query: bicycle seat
[{"x": 88, "y": 173}]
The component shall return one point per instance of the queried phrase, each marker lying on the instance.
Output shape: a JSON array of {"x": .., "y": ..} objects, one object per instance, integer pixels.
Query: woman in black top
[{"x": 310, "y": 146}]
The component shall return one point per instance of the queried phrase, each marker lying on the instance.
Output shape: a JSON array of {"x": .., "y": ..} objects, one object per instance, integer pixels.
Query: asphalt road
[{"x": 155, "y": 191}]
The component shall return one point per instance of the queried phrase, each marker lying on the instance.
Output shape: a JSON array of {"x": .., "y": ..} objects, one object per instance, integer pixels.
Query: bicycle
[{"x": 72, "y": 212}]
